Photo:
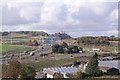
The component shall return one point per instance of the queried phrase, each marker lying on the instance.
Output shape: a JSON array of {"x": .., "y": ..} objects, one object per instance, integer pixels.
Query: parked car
[{"x": 32, "y": 53}]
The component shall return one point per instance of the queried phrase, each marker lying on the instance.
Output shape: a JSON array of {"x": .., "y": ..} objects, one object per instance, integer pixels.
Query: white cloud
[
  {"x": 30, "y": 13},
  {"x": 114, "y": 14},
  {"x": 75, "y": 16},
  {"x": 49, "y": 12}
]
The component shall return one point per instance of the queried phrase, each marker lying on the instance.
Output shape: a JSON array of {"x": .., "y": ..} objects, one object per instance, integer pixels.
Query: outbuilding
[
  {"x": 109, "y": 71},
  {"x": 113, "y": 71}
]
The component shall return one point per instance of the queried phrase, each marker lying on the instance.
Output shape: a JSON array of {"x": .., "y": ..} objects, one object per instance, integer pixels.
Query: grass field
[
  {"x": 13, "y": 49},
  {"x": 6, "y": 47},
  {"x": 53, "y": 63},
  {"x": 103, "y": 48},
  {"x": 17, "y": 39}
]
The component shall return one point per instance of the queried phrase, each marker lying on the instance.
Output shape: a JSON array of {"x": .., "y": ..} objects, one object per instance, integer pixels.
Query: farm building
[
  {"x": 111, "y": 64},
  {"x": 65, "y": 71},
  {"x": 113, "y": 71},
  {"x": 109, "y": 70}
]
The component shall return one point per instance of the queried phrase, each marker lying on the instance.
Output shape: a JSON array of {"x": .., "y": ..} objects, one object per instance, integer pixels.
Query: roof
[
  {"x": 62, "y": 70},
  {"x": 110, "y": 57},
  {"x": 111, "y": 64}
]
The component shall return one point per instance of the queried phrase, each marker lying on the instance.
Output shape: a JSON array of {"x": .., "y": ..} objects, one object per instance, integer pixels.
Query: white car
[{"x": 32, "y": 53}]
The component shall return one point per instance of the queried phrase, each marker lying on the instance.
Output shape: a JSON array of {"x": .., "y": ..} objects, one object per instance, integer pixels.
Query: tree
[
  {"x": 5, "y": 33},
  {"x": 15, "y": 71},
  {"x": 80, "y": 49},
  {"x": 55, "y": 48},
  {"x": 30, "y": 43},
  {"x": 30, "y": 72},
  {"x": 92, "y": 68},
  {"x": 76, "y": 63},
  {"x": 35, "y": 43},
  {"x": 64, "y": 45},
  {"x": 75, "y": 49},
  {"x": 69, "y": 49},
  {"x": 60, "y": 49}
]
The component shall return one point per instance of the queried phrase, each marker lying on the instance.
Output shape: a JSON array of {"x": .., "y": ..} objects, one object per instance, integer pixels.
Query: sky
[{"x": 75, "y": 17}]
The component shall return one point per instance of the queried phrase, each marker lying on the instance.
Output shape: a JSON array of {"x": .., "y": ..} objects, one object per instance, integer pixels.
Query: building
[
  {"x": 113, "y": 71},
  {"x": 109, "y": 70},
  {"x": 108, "y": 58},
  {"x": 111, "y": 64},
  {"x": 65, "y": 71}
]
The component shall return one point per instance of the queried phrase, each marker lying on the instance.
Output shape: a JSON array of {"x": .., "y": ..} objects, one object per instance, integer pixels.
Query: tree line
[{"x": 64, "y": 48}]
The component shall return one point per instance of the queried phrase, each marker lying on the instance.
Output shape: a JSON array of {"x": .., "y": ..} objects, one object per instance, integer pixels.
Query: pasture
[{"x": 13, "y": 49}]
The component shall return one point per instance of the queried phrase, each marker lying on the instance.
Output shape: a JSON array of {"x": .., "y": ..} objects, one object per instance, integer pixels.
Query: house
[
  {"x": 111, "y": 64},
  {"x": 109, "y": 70},
  {"x": 113, "y": 71},
  {"x": 65, "y": 71}
]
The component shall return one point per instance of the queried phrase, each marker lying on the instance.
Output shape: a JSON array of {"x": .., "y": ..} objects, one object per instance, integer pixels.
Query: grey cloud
[
  {"x": 12, "y": 16},
  {"x": 90, "y": 23}
]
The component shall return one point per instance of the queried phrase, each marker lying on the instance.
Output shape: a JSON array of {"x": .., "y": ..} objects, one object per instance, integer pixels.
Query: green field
[
  {"x": 103, "y": 48},
  {"x": 6, "y": 47},
  {"x": 18, "y": 39},
  {"x": 13, "y": 49}
]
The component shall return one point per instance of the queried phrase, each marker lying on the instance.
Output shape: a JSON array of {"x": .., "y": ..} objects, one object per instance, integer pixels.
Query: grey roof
[
  {"x": 62, "y": 70},
  {"x": 112, "y": 64}
]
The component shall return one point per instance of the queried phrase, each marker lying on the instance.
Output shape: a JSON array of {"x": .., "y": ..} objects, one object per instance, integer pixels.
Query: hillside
[
  {"x": 31, "y": 34},
  {"x": 22, "y": 34}
]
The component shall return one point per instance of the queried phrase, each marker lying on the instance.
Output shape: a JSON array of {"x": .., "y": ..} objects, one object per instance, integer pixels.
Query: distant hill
[
  {"x": 28, "y": 34},
  {"x": 23, "y": 34}
]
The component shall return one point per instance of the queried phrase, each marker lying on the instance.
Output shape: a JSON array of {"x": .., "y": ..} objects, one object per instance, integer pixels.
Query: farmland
[
  {"x": 6, "y": 47},
  {"x": 12, "y": 49}
]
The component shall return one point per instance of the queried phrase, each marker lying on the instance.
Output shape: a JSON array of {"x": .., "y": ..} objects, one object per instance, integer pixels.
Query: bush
[{"x": 30, "y": 71}]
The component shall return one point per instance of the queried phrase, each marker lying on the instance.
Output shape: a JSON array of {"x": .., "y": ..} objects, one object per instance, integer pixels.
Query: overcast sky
[{"x": 75, "y": 17}]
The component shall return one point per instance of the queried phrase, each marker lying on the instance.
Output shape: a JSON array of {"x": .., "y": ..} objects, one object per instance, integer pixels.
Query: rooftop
[
  {"x": 62, "y": 70},
  {"x": 111, "y": 64}
]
